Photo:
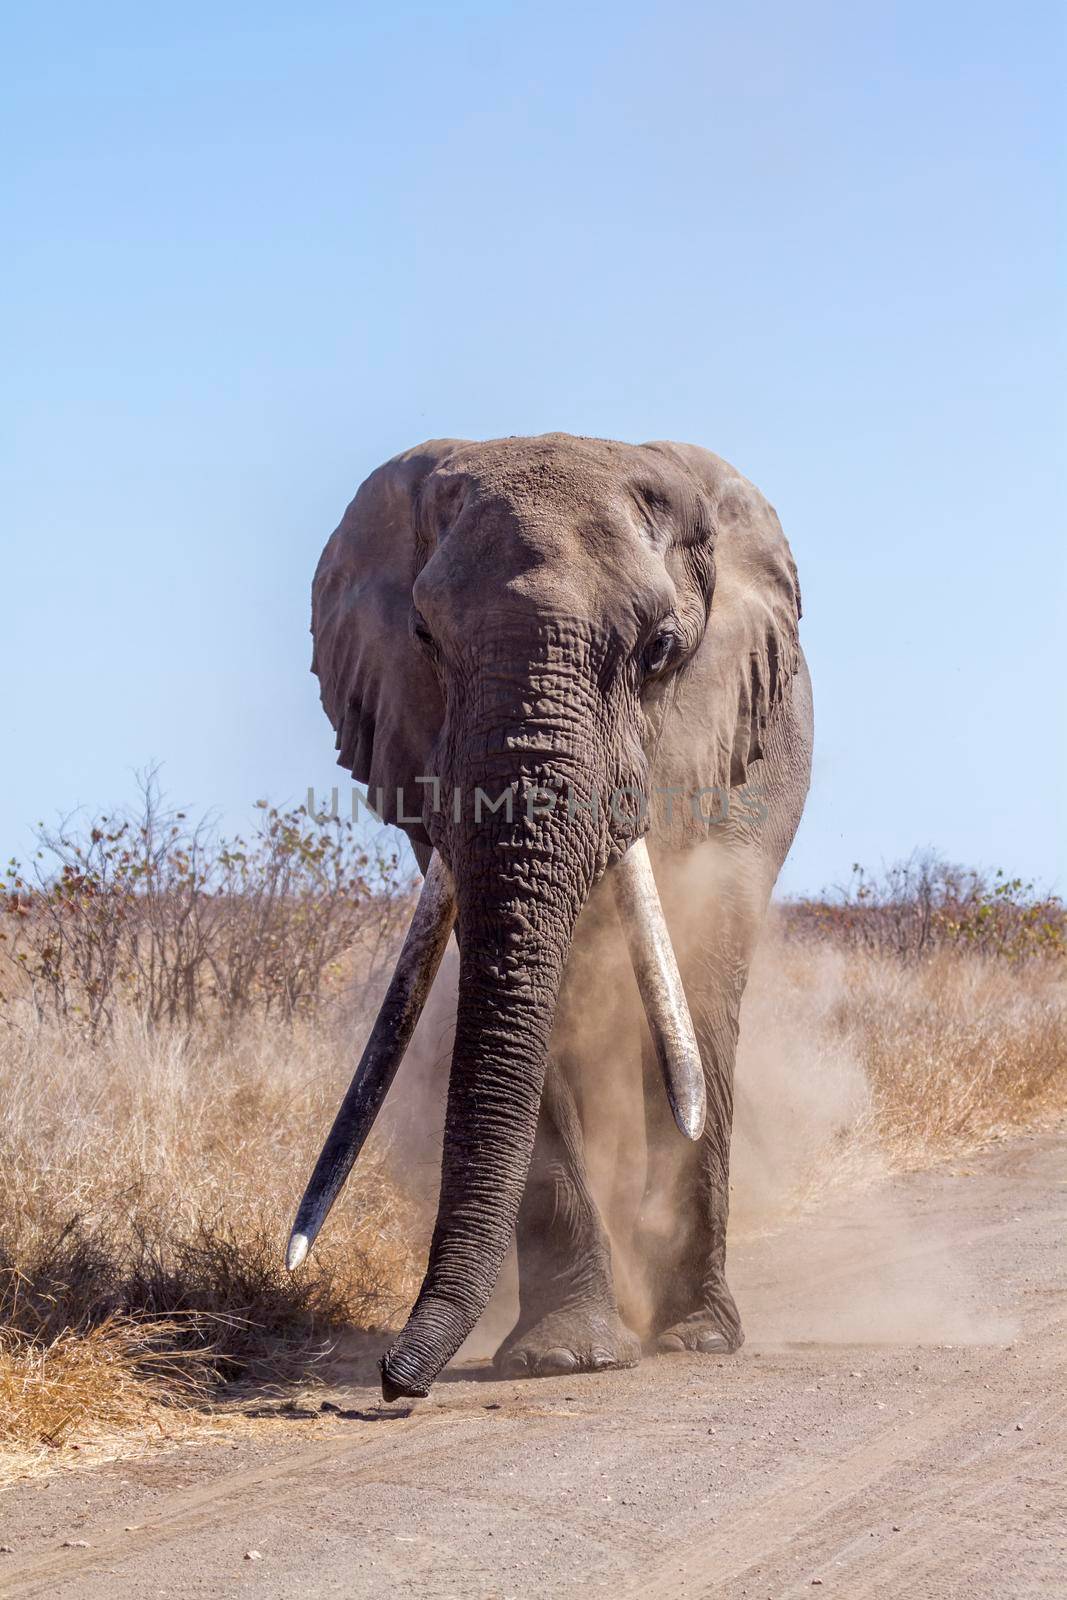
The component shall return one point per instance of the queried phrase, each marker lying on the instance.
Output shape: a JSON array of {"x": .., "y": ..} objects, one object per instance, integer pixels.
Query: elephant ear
[
  {"x": 377, "y": 687},
  {"x": 751, "y": 647}
]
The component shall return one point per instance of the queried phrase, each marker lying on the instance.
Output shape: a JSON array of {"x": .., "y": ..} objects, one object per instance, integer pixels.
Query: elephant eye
[
  {"x": 658, "y": 651},
  {"x": 421, "y": 631}
]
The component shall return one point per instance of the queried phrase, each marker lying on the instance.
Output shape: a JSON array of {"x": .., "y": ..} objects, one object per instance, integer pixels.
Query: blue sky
[{"x": 256, "y": 250}]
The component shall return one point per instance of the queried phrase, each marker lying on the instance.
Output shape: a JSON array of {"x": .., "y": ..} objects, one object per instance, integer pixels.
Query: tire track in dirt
[
  {"x": 829, "y": 1504},
  {"x": 185, "y": 1512},
  {"x": 349, "y": 1464}
]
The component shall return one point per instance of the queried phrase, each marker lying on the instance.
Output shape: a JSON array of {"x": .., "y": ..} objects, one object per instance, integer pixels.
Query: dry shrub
[
  {"x": 957, "y": 1050},
  {"x": 179, "y": 1013},
  {"x": 854, "y": 1063},
  {"x": 907, "y": 1017},
  {"x": 151, "y": 911},
  {"x": 924, "y": 903},
  {"x": 155, "y": 1173},
  {"x": 119, "y": 1379}
]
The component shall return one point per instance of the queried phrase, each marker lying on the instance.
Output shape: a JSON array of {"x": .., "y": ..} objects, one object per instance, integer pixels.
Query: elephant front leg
[
  {"x": 686, "y": 1207},
  {"x": 568, "y": 1311}
]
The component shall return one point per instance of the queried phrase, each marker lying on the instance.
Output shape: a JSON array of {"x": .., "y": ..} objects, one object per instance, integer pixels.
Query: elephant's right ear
[{"x": 377, "y": 687}]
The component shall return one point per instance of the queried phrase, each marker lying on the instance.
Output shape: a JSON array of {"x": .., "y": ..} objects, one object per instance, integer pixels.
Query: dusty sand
[{"x": 896, "y": 1425}]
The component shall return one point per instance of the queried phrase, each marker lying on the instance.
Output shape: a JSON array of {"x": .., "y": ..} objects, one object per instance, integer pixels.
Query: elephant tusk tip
[
  {"x": 299, "y": 1244},
  {"x": 690, "y": 1107},
  {"x": 691, "y": 1122}
]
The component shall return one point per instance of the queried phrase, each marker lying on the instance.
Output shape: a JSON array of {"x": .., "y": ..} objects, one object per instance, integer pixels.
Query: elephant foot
[
  {"x": 573, "y": 1340},
  {"x": 713, "y": 1330}
]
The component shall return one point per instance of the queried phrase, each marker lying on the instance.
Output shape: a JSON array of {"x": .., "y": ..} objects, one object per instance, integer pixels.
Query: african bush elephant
[{"x": 570, "y": 669}]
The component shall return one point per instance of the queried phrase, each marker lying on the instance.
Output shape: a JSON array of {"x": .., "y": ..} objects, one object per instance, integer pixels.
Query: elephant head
[{"x": 499, "y": 631}]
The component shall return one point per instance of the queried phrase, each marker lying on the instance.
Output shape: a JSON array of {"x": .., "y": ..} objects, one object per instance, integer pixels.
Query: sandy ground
[{"x": 895, "y": 1425}]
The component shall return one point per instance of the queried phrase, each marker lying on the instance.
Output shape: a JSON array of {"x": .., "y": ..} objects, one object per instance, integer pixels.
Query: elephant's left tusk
[
  {"x": 660, "y": 986},
  {"x": 405, "y": 997}
]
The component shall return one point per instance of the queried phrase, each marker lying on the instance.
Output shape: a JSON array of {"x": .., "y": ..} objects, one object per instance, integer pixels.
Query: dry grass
[
  {"x": 121, "y": 1380},
  {"x": 153, "y": 1177},
  {"x": 153, "y": 1172},
  {"x": 854, "y": 1064},
  {"x": 957, "y": 1050}
]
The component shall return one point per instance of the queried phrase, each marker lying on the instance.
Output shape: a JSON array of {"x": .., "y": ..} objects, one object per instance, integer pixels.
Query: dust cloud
[
  {"x": 802, "y": 1106},
  {"x": 806, "y": 1162},
  {"x": 413, "y": 1117}
]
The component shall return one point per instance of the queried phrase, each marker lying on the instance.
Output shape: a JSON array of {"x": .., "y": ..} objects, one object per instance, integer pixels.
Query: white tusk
[
  {"x": 660, "y": 985},
  {"x": 405, "y": 997}
]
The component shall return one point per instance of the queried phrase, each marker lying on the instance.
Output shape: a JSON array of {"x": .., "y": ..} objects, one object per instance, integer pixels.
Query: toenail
[{"x": 557, "y": 1360}]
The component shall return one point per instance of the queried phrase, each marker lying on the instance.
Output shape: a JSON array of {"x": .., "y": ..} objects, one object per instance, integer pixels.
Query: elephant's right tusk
[
  {"x": 660, "y": 986},
  {"x": 405, "y": 997}
]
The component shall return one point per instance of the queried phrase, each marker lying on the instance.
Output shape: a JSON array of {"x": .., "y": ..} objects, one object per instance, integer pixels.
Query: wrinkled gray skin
[{"x": 495, "y": 613}]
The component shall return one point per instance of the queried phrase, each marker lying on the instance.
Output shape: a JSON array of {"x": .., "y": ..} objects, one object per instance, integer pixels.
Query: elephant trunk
[{"x": 517, "y": 906}]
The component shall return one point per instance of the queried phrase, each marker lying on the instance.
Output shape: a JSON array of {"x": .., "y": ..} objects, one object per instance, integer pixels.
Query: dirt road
[{"x": 895, "y": 1425}]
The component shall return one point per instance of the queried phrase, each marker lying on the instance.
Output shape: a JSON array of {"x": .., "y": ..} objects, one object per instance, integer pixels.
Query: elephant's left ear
[{"x": 751, "y": 647}]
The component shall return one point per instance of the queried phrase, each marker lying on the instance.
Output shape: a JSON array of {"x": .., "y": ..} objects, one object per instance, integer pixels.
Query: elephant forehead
[
  {"x": 560, "y": 479},
  {"x": 555, "y": 499},
  {"x": 537, "y": 561},
  {"x": 554, "y": 464}
]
